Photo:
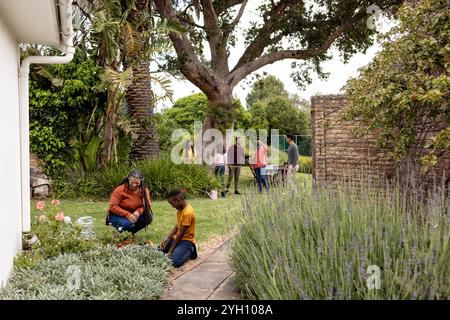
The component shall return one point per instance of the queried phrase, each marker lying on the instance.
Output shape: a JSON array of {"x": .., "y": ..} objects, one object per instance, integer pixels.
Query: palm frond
[
  {"x": 142, "y": 17},
  {"x": 128, "y": 127},
  {"x": 102, "y": 22},
  {"x": 46, "y": 72},
  {"x": 132, "y": 39},
  {"x": 165, "y": 84},
  {"x": 119, "y": 79},
  {"x": 165, "y": 26},
  {"x": 159, "y": 45}
]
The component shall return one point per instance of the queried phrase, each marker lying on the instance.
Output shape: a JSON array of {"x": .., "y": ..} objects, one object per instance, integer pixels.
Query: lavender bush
[
  {"x": 296, "y": 243},
  {"x": 105, "y": 273}
]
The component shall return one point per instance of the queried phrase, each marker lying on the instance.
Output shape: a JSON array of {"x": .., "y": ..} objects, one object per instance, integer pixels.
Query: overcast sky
[{"x": 339, "y": 72}]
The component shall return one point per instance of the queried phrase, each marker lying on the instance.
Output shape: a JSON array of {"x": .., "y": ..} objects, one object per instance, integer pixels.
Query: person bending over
[{"x": 180, "y": 244}]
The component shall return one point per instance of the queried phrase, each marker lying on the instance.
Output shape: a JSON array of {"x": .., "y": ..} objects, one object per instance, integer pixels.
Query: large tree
[
  {"x": 185, "y": 111},
  {"x": 288, "y": 29}
]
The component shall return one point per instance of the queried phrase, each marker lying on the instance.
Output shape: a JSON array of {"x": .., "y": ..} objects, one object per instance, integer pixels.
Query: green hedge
[
  {"x": 303, "y": 244},
  {"x": 161, "y": 176}
]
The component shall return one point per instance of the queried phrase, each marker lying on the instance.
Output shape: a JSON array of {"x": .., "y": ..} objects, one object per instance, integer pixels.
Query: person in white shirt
[{"x": 219, "y": 164}]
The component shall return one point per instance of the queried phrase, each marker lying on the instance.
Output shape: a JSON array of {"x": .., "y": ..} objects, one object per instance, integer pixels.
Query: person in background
[
  {"x": 129, "y": 204},
  {"x": 219, "y": 164},
  {"x": 259, "y": 161},
  {"x": 293, "y": 165},
  {"x": 235, "y": 160},
  {"x": 180, "y": 244},
  {"x": 189, "y": 153}
]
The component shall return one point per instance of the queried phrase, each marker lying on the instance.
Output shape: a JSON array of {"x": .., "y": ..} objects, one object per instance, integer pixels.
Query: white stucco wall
[{"x": 10, "y": 213}]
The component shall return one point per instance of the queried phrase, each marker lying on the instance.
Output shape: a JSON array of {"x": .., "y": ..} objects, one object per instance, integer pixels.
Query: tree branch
[
  {"x": 222, "y": 6},
  {"x": 239, "y": 15},
  {"x": 219, "y": 58},
  {"x": 229, "y": 28},
  {"x": 271, "y": 19},
  {"x": 189, "y": 22},
  {"x": 190, "y": 66},
  {"x": 211, "y": 21},
  {"x": 241, "y": 72}
]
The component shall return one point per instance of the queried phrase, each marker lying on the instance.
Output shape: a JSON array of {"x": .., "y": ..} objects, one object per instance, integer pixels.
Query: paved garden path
[{"x": 210, "y": 277}]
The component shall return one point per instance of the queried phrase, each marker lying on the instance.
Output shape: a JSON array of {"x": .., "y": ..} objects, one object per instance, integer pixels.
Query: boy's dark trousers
[{"x": 182, "y": 252}]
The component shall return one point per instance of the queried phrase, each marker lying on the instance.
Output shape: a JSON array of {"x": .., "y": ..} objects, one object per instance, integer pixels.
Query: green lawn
[{"x": 213, "y": 217}]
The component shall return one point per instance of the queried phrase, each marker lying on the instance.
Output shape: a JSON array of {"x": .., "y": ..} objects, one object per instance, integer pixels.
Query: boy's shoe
[
  {"x": 194, "y": 254},
  {"x": 237, "y": 192}
]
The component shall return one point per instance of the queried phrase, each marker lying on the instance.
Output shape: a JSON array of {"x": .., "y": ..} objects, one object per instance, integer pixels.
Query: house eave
[{"x": 33, "y": 22}]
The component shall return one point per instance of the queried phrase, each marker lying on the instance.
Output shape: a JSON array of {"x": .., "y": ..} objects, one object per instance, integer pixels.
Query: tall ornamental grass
[{"x": 298, "y": 243}]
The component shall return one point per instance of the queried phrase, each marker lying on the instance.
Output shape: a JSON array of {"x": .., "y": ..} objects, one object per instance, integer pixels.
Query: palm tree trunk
[
  {"x": 139, "y": 98},
  {"x": 139, "y": 95}
]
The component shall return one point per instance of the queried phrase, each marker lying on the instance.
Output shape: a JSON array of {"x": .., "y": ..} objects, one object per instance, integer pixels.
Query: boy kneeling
[{"x": 180, "y": 243}]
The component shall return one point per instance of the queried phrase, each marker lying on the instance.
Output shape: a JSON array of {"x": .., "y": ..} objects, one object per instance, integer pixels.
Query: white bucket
[
  {"x": 86, "y": 225},
  {"x": 213, "y": 194}
]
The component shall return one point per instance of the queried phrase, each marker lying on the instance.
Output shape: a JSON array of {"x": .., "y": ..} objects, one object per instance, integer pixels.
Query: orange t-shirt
[
  {"x": 186, "y": 217},
  {"x": 123, "y": 202}
]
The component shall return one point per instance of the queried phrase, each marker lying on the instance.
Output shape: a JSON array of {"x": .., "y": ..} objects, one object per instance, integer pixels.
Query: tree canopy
[
  {"x": 271, "y": 108},
  {"x": 185, "y": 111},
  {"x": 287, "y": 29},
  {"x": 265, "y": 88}
]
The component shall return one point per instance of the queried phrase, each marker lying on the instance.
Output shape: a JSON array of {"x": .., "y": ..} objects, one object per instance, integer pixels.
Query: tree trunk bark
[
  {"x": 221, "y": 109},
  {"x": 139, "y": 97},
  {"x": 110, "y": 123},
  {"x": 220, "y": 116}
]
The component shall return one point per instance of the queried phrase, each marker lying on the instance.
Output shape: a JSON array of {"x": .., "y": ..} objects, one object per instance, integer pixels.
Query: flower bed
[{"x": 53, "y": 233}]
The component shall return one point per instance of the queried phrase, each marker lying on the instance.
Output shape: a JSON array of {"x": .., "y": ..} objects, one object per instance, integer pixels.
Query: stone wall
[
  {"x": 40, "y": 184},
  {"x": 338, "y": 155}
]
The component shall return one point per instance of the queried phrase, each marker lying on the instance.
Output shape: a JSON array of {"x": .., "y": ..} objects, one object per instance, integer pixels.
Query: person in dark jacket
[
  {"x": 235, "y": 160},
  {"x": 293, "y": 165}
]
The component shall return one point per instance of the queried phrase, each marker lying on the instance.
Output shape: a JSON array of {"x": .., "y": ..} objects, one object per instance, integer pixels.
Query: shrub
[
  {"x": 56, "y": 233},
  {"x": 131, "y": 272},
  {"x": 305, "y": 164},
  {"x": 303, "y": 244},
  {"x": 161, "y": 175}
]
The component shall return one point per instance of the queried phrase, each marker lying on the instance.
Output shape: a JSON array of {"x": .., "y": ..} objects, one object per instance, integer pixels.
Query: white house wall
[{"x": 10, "y": 214}]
